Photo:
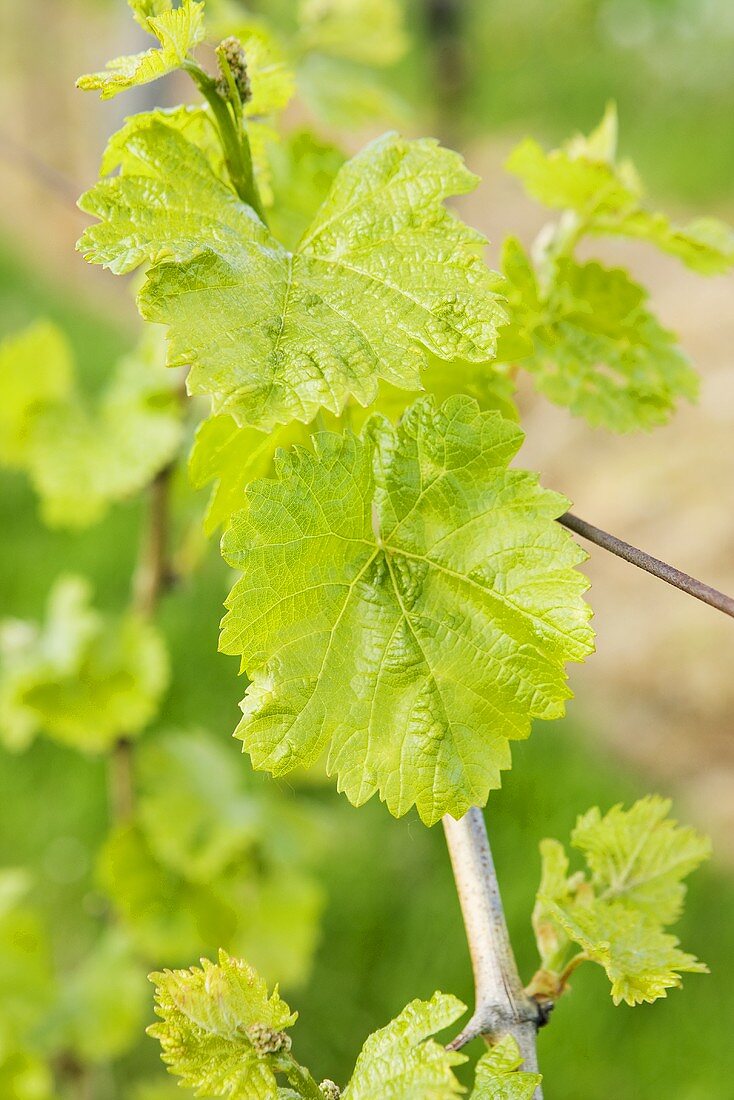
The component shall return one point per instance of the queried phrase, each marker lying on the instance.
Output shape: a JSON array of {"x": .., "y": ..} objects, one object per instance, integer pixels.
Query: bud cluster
[
  {"x": 266, "y": 1040},
  {"x": 231, "y": 55},
  {"x": 330, "y": 1090}
]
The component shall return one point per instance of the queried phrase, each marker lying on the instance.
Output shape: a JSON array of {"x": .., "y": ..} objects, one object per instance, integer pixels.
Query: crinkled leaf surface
[
  {"x": 407, "y": 605},
  {"x": 617, "y": 913},
  {"x": 606, "y": 195},
  {"x": 641, "y": 855},
  {"x": 82, "y": 678},
  {"x": 178, "y": 31},
  {"x": 597, "y": 348},
  {"x": 383, "y": 273},
  {"x": 205, "y": 1014},
  {"x": 366, "y": 31},
  {"x": 641, "y": 961},
  {"x": 402, "y": 1062},
  {"x": 499, "y": 1076}
]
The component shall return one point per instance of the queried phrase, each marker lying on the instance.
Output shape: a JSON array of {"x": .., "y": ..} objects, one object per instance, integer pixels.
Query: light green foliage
[
  {"x": 102, "y": 1003},
  {"x": 207, "y": 862},
  {"x": 596, "y": 346},
  {"x": 81, "y": 678},
  {"x": 294, "y": 332},
  {"x": 369, "y": 32},
  {"x": 354, "y": 562},
  {"x": 402, "y": 1062},
  {"x": 36, "y": 370},
  {"x": 205, "y": 1016},
  {"x": 25, "y": 1076},
  {"x": 348, "y": 96},
  {"x": 178, "y": 30},
  {"x": 26, "y": 979},
  {"x": 617, "y": 911},
  {"x": 499, "y": 1077},
  {"x": 210, "y": 1018},
  {"x": 606, "y": 197},
  {"x": 81, "y": 460}
]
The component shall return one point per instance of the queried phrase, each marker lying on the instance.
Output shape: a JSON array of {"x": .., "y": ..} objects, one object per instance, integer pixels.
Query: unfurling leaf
[
  {"x": 402, "y": 1061},
  {"x": 606, "y": 196},
  {"x": 499, "y": 1076},
  {"x": 205, "y": 1031},
  {"x": 178, "y": 30},
  {"x": 82, "y": 678},
  {"x": 407, "y": 605},
  {"x": 596, "y": 346},
  {"x": 617, "y": 912},
  {"x": 382, "y": 274}
]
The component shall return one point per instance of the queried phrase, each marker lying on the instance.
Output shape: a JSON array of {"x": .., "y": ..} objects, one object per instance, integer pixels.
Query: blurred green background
[{"x": 392, "y": 928}]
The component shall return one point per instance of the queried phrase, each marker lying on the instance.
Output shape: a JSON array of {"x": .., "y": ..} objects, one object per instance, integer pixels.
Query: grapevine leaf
[
  {"x": 383, "y": 272},
  {"x": 178, "y": 30},
  {"x": 637, "y": 859},
  {"x": 26, "y": 977},
  {"x": 270, "y": 76},
  {"x": 102, "y": 1004},
  {"x": 641, "y": 856},
  {"x": 81, "y": 460},
  {"x": 204, "y": 865},
  {"x": 597, "y": 348},
  {"x": 81, "y": 678},
  {"x": 402, "y": 1062},
  {"x": 499, "y": 1077},
  {"x": 369, "y": 32},
  {"x": 143, "y": 10},
  {"x": 206, "y": 1019},
  {"x": 35, "y": 370},
  {"x": 354, "y": 562},
  {"x": 606, "y": 195},
  {"x": 640, "y": 960}
]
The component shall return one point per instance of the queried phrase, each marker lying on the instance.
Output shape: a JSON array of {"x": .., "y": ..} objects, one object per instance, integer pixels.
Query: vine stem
[
  {"x": 502, "y": 1006},
  {"x": 657, "y": 568},
  {"x": 152, "y": 577}
]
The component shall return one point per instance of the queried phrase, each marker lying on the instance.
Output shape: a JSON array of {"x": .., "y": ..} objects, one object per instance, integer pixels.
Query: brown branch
[
  {"x": 657, "y": 568},
  {"x": 502, "y": 1006}
]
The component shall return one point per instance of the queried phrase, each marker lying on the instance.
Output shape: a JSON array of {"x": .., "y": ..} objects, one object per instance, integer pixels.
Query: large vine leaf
[
  {"x": 178, "y": 30},
  {"x": 616, "y": 911},
  {"x": 597, "y": 348},
  {"x": 407, "y": 605},
  {"x": 402, "y": 1062},
  {"x": 36, "y": 370},
  {"x": 82, "y": 678},
  {"x": 499, "y": 1077},
  {"x": 209, "y": 1017},
  {"x": 606, "y": 196},
  {"x": 383, "y": 273}
]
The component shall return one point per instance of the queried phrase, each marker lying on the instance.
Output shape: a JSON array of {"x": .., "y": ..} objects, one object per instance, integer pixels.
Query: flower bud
[
  {"x": 231, "y": 53},
  {"x": 266, "y": 1040}
]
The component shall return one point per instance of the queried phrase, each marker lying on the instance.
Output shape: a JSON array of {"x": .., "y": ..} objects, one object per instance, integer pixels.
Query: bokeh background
[{"x": 653, "y": 709}]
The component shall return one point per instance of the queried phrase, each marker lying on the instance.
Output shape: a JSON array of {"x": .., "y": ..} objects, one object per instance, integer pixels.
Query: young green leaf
[
  {"x": 383, "y": 273},
  {"x": 597, "y": 348},
  {"x": 211, "y": 1019},
  {"x": 82, "y": 679},
  {"x": 641, "y": 855},
  {"x": 303, "y": 168},
  {"x": 616, "y": 915},
  {"x": 360, "y": 564},
  {"x": 402, "y": 1062},
  {"x": 606, "y": 197},
  {"x": 178, "y": 30},
  {"x": 499, "y": 1077}
]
